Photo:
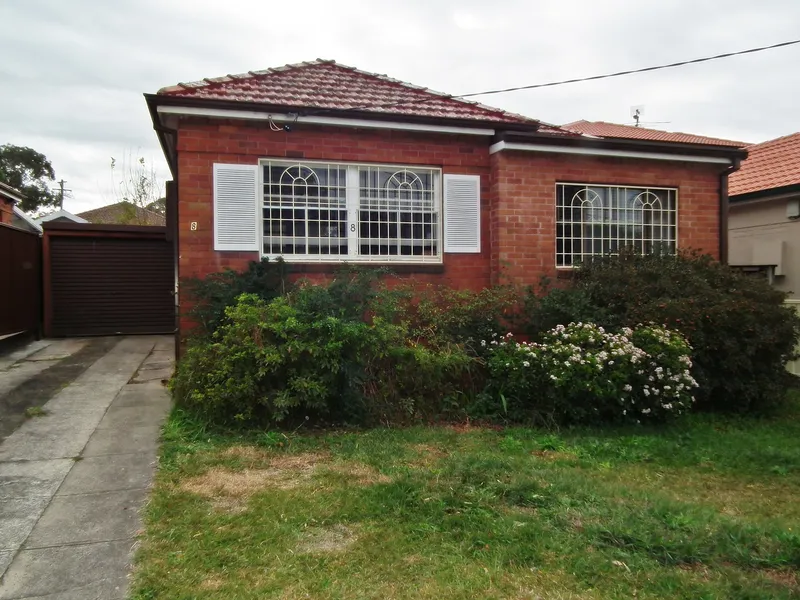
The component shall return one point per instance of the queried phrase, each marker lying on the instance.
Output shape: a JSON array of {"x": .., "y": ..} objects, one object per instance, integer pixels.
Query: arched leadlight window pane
[{"x": 596, "y": 220}]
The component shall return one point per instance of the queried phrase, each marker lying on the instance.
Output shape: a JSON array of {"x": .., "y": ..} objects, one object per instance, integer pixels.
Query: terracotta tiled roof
[
  {"x": 123, "y": 213},
  {"x": 326, "y": 84},
  {"x": 771, "y": 164},
  {"x": 615, "y": 130}
]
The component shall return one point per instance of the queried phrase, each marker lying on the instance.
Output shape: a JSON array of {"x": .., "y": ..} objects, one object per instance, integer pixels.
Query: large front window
[
  {"x": 337, "y": 211},
  {"x": 594, "y": 220}
]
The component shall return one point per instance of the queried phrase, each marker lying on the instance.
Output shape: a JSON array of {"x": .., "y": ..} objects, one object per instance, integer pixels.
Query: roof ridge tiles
[{"x": 332, "y": 93}]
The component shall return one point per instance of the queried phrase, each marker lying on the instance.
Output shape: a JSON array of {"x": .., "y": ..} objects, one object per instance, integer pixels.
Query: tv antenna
[{"x": 636, "y": 113}]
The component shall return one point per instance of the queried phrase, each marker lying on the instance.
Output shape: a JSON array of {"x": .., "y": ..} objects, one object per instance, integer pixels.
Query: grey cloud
[{"x": 73, "y": 73}]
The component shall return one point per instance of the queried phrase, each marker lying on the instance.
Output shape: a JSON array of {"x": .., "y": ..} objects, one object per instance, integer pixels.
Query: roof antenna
[{"x": 637, "y": 112}]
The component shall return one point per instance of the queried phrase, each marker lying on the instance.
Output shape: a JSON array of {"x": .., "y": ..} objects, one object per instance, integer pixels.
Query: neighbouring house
[
  {"x": 9, "y": 197},
  {"x": 607, "y": 130},
  {"x": 59, "y": 216},
  {"x": 11, "y": 214},
  {"x": 22, "y": 221},
  {"x": 321, "y": 164},
  {"x": 123, "y": 213},
  {"x": 764, "y": 224}
]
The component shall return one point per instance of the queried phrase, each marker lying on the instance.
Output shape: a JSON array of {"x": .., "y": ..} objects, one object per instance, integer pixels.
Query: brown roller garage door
[{"x": 105, "y": 280}]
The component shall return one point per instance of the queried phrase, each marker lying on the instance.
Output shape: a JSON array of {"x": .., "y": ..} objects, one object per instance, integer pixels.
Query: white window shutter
[
  {"x": 462, "y": 213},
  {"x": 236, "y": 217}
]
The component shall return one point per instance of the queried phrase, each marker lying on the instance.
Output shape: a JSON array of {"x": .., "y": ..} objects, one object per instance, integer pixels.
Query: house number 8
[{"x": 352, "y": 226}]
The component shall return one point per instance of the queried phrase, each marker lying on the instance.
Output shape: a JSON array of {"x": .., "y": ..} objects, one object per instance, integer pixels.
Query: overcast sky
[{"x": 72, "y": 72}]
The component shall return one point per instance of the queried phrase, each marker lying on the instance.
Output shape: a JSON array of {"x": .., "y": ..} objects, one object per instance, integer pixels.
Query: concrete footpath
[{"x": 75, "y": 474}]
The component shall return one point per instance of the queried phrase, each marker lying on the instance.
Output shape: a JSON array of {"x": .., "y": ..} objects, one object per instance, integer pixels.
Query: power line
[{"x": 568, "y": 81}]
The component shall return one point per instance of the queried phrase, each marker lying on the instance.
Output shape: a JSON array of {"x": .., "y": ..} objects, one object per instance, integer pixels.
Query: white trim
[
  {"x": 333, "y": 121},
  {"x": 18, "y": 213},
  {"x": 500, "y": 146}
]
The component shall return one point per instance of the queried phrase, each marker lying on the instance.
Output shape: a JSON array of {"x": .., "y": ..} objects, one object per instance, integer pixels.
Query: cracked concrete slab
[
  {"x": 58, "y": 349},
  {"x": 41, "y": 439},
  {"x": 110, "y": 473},
  {"x": 32, "y": 478},
  {"x": 100, "y": 517},
  {"x": 122, "y": 441},
  {"x": 6, "y": 556},
  {"x": 82, "y": 572},
  {"x": 7, "y": 360},
  {"x": 145, "y": 376},
  {"x": 18, "y": 517},
  {"x": 118, "y": 417},
  {"x": 141, "y": 394},
  {"x": 20, "y": 372}
]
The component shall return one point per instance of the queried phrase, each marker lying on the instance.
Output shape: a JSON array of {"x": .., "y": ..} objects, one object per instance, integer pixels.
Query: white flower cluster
[{"x": 613, "y": 367}]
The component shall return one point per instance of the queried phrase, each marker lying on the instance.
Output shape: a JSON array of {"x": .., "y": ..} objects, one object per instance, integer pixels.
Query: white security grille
[
  {"x": 305, "y": 209},
  {"x": 328, "y": 211},
  {"x": 398, "y": 214},
  {"x": 594, "y": 220}
]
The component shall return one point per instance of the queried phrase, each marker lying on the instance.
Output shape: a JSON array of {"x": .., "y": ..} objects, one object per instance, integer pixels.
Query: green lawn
[{"x": 709, "y": 508}]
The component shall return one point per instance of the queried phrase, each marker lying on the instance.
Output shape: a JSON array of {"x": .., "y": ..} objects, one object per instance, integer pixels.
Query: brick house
[
  {"x": 9, "y": 197},
  {"x": 322, "y": 163}
]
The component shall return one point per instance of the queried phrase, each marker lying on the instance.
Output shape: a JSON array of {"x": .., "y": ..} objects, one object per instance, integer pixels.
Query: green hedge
[{"x": 356, "y": 351}]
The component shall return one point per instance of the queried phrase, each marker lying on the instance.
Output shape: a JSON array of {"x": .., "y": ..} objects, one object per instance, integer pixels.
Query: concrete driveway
[{"x": 79, "y": 428}]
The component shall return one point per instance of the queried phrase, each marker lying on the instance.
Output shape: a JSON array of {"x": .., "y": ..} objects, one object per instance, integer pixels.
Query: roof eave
[
  {"x": 784, "y": 190},
  {"x": 728, "y": 152},
  {"x": 12, "y": 194},
  {"x": 166, "y": 136},
  {"x": 156, "y": 100}
]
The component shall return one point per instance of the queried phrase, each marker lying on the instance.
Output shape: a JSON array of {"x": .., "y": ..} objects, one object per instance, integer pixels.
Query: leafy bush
[
  {"x": 209, "y": 297},
  {"x": 306, "y": 356},
  {"x": 440, "y": 316},
  {"x": 741, "y": 333},
  {"x": 582, "y": 373}
]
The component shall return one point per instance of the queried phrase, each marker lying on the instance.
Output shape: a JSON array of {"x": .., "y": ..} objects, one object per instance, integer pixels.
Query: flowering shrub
[
  {"x": 741, "y": 333},
  {"x": 582, "y": 373}
]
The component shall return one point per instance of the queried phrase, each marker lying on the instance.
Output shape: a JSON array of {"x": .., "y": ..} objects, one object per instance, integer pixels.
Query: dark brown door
[{"x": 106, "y": 285}]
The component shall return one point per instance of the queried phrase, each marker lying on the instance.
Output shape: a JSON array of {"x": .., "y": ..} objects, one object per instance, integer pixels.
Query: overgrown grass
[{"x": 707, "y": 508}]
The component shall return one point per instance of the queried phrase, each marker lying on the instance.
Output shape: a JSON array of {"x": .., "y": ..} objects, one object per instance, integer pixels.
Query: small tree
[{"x": 137, "y": 184}]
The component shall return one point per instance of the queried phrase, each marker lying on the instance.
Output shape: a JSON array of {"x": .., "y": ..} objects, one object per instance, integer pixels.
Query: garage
[{"x": 107, "y": 280}]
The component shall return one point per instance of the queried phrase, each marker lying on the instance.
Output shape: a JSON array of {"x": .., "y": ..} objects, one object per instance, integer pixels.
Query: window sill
[{"x": 400, "y": 268}]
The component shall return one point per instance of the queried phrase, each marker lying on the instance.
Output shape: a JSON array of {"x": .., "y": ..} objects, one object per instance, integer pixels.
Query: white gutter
[
  {"x": 500, "y": 146},
  {"x": 333, "y": 121}
]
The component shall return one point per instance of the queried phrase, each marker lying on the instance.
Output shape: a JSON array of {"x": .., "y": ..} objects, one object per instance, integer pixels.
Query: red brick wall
[
  {"x": 517, "y": 192},
  {"x": 202, "y": 143},
  {"x": 523, "y": 228},
  {"x": 6, "y": 210}
]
